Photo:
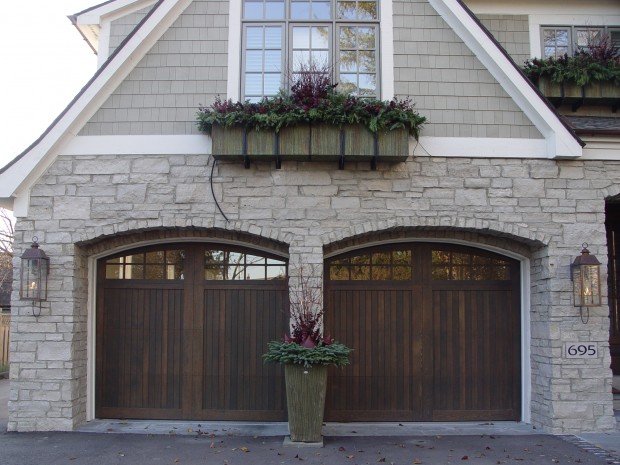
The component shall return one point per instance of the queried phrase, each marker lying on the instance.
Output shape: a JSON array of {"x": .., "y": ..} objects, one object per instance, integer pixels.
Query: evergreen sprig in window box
[
  {"x": 312, "y": 123},
  {"x": 591, "y": 76}
]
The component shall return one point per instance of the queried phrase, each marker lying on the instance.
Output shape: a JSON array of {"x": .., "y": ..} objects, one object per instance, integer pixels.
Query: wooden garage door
[
  {"x": 435, "y": 331},
  {"x": 181, "y": 331}
]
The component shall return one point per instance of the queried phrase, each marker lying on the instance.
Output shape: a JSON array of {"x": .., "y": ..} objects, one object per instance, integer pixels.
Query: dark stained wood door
[
  {"x": 612, "y": 225},
  {"x": 435, "y": 331},
  {"x": 181, "y": 330}
]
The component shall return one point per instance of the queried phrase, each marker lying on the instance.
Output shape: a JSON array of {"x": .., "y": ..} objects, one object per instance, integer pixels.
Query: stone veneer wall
[{"x": 541, "y": 209}]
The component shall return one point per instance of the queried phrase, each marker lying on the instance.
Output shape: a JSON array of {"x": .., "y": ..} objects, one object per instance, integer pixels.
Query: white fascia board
[
  {"x": 199, "y": 144},
  {"x": 549, "y": 7},
  {"x": 480, "y": 147},
  {"x": 95, "y": 24},
  {"x": 25, "y": 171},
  {"x": 601, "y": 148},
  {"x": 560, "y": 142},
  {"x": 112, "y": 10},
  {"x": 138, "y": 145}
]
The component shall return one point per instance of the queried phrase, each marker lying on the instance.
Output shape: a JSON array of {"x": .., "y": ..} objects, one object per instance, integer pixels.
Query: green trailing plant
[
  {"x": 306, "y": 344},
  {"x": 312, "y": 99},
  {"x": 598, "y": 62}
]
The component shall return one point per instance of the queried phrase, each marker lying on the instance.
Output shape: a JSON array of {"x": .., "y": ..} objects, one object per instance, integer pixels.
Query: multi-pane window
[
  {"x": 234, "y": 265},
  {"x": 560, "y": 40},
  {"x": 156, "y": 264},
  {"x": 394, "y": 265},
  {"x": 450, "y": 265},
  {"x": 283, "y": 37}
]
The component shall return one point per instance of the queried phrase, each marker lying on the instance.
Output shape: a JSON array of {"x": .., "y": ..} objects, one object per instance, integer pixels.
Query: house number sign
[{"x": 580, "y": 350}]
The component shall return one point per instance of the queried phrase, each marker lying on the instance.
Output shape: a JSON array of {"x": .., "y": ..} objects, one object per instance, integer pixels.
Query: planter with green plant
[
  {"x": 592, "y": 73},
  {"x": 306, "y": 354},
  {"x": 312, "y": 122}
]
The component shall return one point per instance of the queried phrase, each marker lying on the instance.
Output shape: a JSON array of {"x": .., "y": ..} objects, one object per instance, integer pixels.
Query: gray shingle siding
[
  {"x": 186, "y": 67},
  {"x": 512, "y": 31},
  {"x": 450, "y": 86},
  {"x": 122, "y": 27}
]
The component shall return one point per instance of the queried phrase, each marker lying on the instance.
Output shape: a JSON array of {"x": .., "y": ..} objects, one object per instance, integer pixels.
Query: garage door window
[
  {"x": 458, "y": 266},
  {"x": 158, "y": 264},
  {"x": 226, "y": 265},
  {"x": 394, "y": 265}
]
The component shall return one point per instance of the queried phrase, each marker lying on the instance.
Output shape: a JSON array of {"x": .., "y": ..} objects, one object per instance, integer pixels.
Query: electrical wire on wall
[{"x": 217, "y": 204}]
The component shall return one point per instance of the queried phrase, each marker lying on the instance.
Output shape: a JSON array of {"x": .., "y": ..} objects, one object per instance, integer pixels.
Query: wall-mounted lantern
[
  {"x": 586, "y": 276},
  {"x": 33, "y": 274}
]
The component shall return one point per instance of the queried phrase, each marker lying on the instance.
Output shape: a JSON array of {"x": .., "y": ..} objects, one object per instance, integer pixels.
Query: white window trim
[{"x": 386, "y": 50}]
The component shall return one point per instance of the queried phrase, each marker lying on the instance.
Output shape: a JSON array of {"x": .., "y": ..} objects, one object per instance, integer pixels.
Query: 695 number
[{"x": 579, "y": 350}]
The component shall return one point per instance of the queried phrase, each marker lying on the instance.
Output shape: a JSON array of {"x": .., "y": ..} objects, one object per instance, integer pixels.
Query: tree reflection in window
[
  {"x": 394, "y": 265},
  {"x": 227, "y": 265},
  {"x": 459, "y": 266},
  {"x": 154, "y": 265}
]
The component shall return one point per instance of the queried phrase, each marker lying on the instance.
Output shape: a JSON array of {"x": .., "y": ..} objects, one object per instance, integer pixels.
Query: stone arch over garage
[
  {"x": 503, "y": 235},
  {"x": 101, "y": 244}
]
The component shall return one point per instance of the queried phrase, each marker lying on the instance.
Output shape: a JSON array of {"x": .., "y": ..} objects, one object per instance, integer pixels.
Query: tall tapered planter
[{"x": 305, "y": 399}]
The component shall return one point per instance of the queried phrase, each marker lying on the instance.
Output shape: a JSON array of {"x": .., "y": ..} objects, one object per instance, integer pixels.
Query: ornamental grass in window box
[
  {"x": 306, "y": 355},
  {"x": 312, "y": 122}
]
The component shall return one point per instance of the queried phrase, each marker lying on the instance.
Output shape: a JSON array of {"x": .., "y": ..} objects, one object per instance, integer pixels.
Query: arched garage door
[
  {"x": 181, "y": 330},
  {"x": 436, "y": 333}
]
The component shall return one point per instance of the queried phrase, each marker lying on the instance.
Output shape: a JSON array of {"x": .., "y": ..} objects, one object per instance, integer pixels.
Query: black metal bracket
[
  {"x": 375, "y": 158},
  {"x": 244, "y": 145},
  {"x": 276, "y": 151},
  {"x": 341, "y": 158}
]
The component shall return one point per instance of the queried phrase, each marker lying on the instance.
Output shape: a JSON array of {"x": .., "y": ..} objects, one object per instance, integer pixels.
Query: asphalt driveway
[{"x": 209, "y": 448}]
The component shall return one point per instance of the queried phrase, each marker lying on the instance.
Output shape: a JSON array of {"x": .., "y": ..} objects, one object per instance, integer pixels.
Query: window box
[
  {"x": 594, "y": 93},
  {"x": 228, "y": 144},
  {"x": 319, "y": 142}
]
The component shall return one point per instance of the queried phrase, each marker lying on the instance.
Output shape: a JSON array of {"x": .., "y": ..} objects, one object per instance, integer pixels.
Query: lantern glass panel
[
  {"x": 591, "y": 291},
  {"x": 586, "y": 286},
  {"x": 34, "y": 279}
]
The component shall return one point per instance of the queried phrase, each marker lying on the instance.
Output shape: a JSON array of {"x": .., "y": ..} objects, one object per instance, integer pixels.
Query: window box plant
[
  {"x": 312, "y": 122},
  {"x": 306, "y": 355},
  {"x": 592, "y": 75}
]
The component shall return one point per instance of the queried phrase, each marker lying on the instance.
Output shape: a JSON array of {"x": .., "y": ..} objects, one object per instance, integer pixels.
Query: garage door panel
[
  {"x": 438, "y": 343},
  {"x": 377, "y": 380},
  {"x": 181, "y": 330},
  {"x": 474, "y": 353},
  {"x": 141, "y": 361},
  {"x": 237, "y": 326}
]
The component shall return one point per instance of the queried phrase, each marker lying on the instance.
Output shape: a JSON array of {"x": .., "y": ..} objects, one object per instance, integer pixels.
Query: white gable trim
[
  {"x": 560, "y": 142},
  {"x": 94, "y": 24},
  {"x": 138, "y": 145},
  {"x": 25, "y": 171},
  {"x": 199, "y": 144}
]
